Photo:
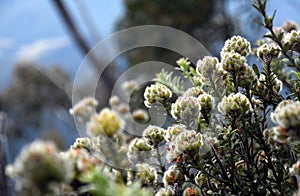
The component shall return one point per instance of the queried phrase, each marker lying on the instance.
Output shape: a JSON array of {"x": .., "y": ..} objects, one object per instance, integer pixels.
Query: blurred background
[{"x": 43, "y": 42}]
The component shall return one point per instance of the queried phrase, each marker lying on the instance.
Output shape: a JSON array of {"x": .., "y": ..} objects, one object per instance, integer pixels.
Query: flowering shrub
[{"x": 233, "y": 131}]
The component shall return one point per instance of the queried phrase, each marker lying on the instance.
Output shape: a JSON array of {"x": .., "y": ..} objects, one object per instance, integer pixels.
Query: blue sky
[{"x": 31, "y": 30}]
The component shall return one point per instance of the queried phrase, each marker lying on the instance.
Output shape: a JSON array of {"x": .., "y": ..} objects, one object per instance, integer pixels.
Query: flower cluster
[
  {"x": 268, "y": 52},
  {"x": 154, "y": 135},
  {"x": 83, "y": 142},
  {"x": 39, "y": 169},
  {"x": 84, "y": 109},
  {"x": 139, "y": 150},
  {"x": 207, "y": 103},
  {"x": 236, "y": 44},
  {"x": 292, "y": 40},
  {"x": 173, "y": 131},
  {"x": 246, "y": 77},
  {"x": 140, "y": 116},
  {"x": 145, "y": 173},
  {"x": 261, "y": 87},
  {"x": 184, "y": 142},
  {"x": 188, "y": 141},
  {"x": 186, "y": 109},
  {"x": 234, "y": 105},
  {"x": 207, "y": 66},
  {"x": 232, "y": 62},
  {"x": 129, "y": 86},
  {"x": 165, "y": 191},
  {"x": 193, "y": 92},
  {"x": 156, "y": 93},
  {"x": 287, "y": 116},
  {"x": 80, "y": 159},
  {"x": 106, "y": 122},
  {"x": 172, "y": 176}
]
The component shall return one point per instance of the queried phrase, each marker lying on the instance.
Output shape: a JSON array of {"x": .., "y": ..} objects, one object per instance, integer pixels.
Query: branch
[{"x": 83, "y": 45}]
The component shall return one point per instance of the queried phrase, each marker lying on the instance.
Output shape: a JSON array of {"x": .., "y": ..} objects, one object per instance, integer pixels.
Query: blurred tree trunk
[
  {"x": 3, "y": 181},
  {"x": 83, "y": 45}
]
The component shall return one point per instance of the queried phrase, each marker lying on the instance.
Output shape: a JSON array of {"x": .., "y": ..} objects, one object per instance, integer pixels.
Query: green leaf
[
  {"x": 274, "y": 13},
  {"x": 264, "y": 5},
  {"x": 258, "y": 22},
  {"x": 193, "y": 71},
  {"x": 255, "y": 69},
  {"x": 286, "y": 47},
  {"x": 296, "y": 74},
  {"x": 174, "y": 83},
  {"x": 260, "y": 178},
  {"x": 297, "y": 62},
  {"x": 269, "y": 36},
  {"x": 280, "y": 36},
  {"x": 286, "y": 61}
]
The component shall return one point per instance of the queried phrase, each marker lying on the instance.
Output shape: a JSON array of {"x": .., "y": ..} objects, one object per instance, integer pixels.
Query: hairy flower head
[
  {"x": 105, "y": 122},
  {"x": 84, "y": 109},
  {"x": 156, "y": 93},
  {"x": 173, "y": 175},
  {"x": 207, "y": 66},
  {"x": 287, "y": 116},
  {"x": 232, "y": 62},
  {"x": 207, "y": 102},
  {"x": 38, "y": 168},
  {"x": 267, "y": 52},
  {"x": 154, "y": 135},
  {"x": 187, "y": 110},
  {"x": 188, "y": 141},
  {"x": 235, "y": 104},
  {"x": 145, "y": 173},
  {"x": 246, "y": 76},
  {"x": 236, "y": 44},
  {"x": 292, "y": 40}
]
